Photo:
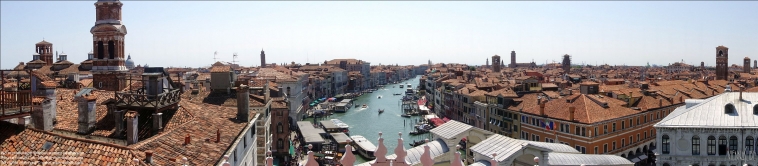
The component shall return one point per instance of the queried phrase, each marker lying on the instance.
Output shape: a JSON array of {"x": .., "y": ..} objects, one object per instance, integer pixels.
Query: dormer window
[{"x": 729, "y": 109}]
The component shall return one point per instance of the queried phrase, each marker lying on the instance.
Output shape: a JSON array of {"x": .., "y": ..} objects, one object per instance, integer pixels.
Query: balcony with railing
[{"x": 15, "y": 95}]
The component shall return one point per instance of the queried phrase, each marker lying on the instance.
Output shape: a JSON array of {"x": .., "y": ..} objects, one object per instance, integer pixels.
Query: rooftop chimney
[
  {"x": 132, "y": 122},
  {"x": 660, "y": 102},
  {"x": 571, "y": 113},
  {"x": 631, "y": 100},
  {"x": 187, "y": 139},
  {"x": 542, "y": 109},
  {"x": 243, "y": 103},
  {"x": 42, "y": 114},
  {"x": 119, "y": 117},
  {"x": 87, "y": 113},
  {"x": 266, "y": 92},
  {"x": 157, "y": 122},
  {"x": 149, "y": 156},
  {"x": 741, "y": 87},
  {"x": 218, "y": 135}
]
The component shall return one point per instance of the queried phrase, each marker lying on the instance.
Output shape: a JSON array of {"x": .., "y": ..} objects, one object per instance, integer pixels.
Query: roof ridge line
[{"x": 83, "y": 140}]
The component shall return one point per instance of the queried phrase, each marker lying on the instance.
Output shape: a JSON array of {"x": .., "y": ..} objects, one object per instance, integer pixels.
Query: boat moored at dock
[{"x": 364, "y": 147}]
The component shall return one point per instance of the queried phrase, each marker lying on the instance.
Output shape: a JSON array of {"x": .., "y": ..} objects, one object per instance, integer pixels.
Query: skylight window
[{"x": 47, "y": 145}]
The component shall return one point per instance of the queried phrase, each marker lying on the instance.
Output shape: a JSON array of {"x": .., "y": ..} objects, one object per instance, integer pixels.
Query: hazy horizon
[{"x": 187, "y": 33}]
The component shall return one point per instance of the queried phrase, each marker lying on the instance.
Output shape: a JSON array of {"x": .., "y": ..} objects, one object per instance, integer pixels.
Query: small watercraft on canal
[
  {"x": 397, "y": 94},
  {"x": 417, "y": 132},
  {"x": 379, "y": 97},
  {"x": 406, "y": 115},
  {"x": 365, "y": 106},
  {"x": 401, "y": 86},
  {"x": 416, "y": 143},
  {"x": 364, "y": 147},
  {"x": 381, "y": 111}
]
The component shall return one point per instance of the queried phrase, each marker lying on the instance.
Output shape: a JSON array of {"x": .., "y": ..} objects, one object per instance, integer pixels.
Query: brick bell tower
[
  {"x": 722, "y": 63},
  {"x": 108, "y": 66}
]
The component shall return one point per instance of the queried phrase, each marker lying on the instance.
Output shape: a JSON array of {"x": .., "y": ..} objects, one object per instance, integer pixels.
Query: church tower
[
  {"x": 513, "y": 59},
  {"x": 746, "y": 65},
  {"x": 263, "y": 59},
  {"x": 108, "y": 68},
  {"x": 496, "y": 63},
  {"x": 722, "y": 60},
  {"x": 566, "y": 64},
  {"x": 45, "y": 50}
]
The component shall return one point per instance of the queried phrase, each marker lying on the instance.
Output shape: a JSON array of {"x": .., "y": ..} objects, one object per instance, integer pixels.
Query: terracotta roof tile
[
  {"x": 217, "y": 69},
  {"x": 19, "y": 139},
  {"x": 588, "y": 108}
]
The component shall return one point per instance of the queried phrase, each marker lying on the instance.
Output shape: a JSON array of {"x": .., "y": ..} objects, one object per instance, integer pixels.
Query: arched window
[
  {"x": 666, "y": 144},
  {"x": 748, "y": 144},
  {"x": 695, "y": 145},
  {"x": 755, "y": 109},
  {"x": 711, "y": 145},
  {"x": 111, "y": 50},
  {"x": 722, "y": 145},
  {"x": 100, "y": 50},
  {"x": 733, "y": 144},
  {"x": 279, "y": 128},
  {"x": 280, "y": 144},
  {"x": 729, "y": 108}
]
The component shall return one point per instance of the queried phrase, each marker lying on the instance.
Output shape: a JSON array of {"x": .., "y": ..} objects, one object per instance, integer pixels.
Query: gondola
[{"x": 381, "y": 111}]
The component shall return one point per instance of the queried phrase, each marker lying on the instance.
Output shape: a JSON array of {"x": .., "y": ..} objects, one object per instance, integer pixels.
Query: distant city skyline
[{"x": 187, "y": 33}]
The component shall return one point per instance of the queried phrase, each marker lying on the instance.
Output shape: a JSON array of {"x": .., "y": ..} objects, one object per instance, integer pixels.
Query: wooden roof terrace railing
[{"x": 128, "y": 99}]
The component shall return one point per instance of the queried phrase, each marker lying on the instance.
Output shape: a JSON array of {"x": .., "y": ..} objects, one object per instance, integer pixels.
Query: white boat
[
  {"x": 339, "y": 123},
  {"x": 365, "y": 106},
  {"x": 401, "y": 86},
  {"x": 409, "y": 85},
  {"x": 364, "y": 147}
]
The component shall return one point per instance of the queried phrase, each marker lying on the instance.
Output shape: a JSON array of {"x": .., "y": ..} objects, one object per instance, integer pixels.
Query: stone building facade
[{"x": 714, "y": 131}]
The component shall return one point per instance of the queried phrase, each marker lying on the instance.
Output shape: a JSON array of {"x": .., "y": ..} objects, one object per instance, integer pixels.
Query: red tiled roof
[
  {"x": 218, "y": 69},
  {"x": 170, "y": 143},
  {"x": 18, "y": 139},
  {"x": 588, "y": 108}
]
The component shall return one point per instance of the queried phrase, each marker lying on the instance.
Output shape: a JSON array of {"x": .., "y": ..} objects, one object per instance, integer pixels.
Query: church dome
[{"x": 129, "y": 62}]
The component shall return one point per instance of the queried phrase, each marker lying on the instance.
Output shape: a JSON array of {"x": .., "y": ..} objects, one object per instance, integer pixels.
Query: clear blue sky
[{"x": 179, "y": 33}]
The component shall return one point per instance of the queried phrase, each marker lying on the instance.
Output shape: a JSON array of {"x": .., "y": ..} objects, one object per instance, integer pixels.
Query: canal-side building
[
  {"x": 716, "y": 131},
  {"x": 482, "y": 144},
  {"x": 291, "y": 84},
  {"x": 499, "y": 119},
  {"x": 363, "y": 67}
]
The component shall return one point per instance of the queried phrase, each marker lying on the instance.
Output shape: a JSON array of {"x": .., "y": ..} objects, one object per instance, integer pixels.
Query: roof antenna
[{"x": 214, "y": 56}]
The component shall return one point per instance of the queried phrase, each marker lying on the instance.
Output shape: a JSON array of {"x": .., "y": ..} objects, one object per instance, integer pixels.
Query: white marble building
[{"x": 706, "y": 131}]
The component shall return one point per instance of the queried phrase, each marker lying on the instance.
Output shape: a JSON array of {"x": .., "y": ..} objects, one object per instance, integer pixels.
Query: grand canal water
[{"x": 368, "y": 122}]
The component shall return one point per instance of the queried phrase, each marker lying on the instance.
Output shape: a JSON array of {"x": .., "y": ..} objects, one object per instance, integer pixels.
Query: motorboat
[
  {"x": 365, "y": 106},
  {"x": 406, "y": 115},
  {"x": 401, "y": 86},
  {"x": 379, "y": 97},
  {"x": 363, "y": 146},
  {"x": 339, "y": 123},
  {"x": 418, "y": 132},
  {"x": 416, "y": 143},
  {"x": 381, "y": 111}
]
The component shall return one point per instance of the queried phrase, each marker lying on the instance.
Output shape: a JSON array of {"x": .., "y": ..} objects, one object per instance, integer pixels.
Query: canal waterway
[{"x": 368, "y": 122}]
